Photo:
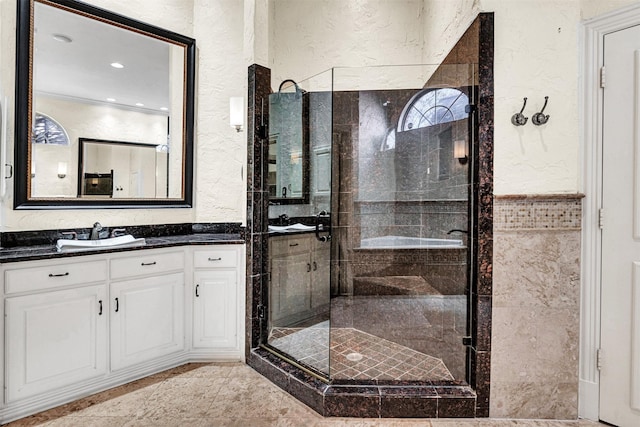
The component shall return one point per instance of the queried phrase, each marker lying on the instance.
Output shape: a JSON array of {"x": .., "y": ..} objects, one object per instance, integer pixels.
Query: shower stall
[{"x": 370, "y": 197}]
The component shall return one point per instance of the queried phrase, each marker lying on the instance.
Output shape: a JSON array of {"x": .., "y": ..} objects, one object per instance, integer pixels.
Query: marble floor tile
[
  {"x": 88, "y": 421},
  {"x": 234, "y": 395}
]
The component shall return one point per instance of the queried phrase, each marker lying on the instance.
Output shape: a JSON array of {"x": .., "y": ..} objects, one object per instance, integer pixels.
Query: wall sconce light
[
  {"x": 62, "y": 169},
  {"x": 236, "y": 112},
  {"x": 94, "y": 182},
  {"x": 460, "y": 151}
]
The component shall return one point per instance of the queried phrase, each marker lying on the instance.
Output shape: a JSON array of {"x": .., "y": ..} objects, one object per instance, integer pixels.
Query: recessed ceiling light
[
  {"x": 164, "y": 108},
  {"x": 62, "y": 38},
  {"x": 139, "y": 104},
  {"x": 111, "y": 99},
  {"x": 117, "y": 65}
]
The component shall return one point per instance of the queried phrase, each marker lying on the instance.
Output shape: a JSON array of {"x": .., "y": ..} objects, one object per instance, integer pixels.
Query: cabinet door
[
  {"x": 320, "y": 274},
  {"x": 54, "y": 339},
  {"x": 215, "y": 309},
  {"x": 146, "y": 319},
  {"x": 290, "y": 296}
]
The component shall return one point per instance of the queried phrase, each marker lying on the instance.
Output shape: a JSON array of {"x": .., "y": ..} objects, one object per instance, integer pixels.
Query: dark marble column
[{"x": 257, "y": 202}]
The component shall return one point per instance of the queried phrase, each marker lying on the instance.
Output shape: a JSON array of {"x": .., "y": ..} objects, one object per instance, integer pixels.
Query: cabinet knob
[
  {"x": 308, "y": 267},
  {"x": 197, "y": 287},
  {"x": 117, "y": 305},
  {"x": 315, "y": 266},
  {"x": 100, "y": 310},
  {"x": 215, "y": 259},
  {"x": 148, "y": 263}
]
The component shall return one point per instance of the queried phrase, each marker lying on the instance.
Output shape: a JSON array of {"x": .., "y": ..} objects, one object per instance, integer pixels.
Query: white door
[
  {"x": 146, "y": 319},
  {"x": 215, "y": 309},
  {"x": 55, "y": 339},
  {"x": 620, "y": 317}
]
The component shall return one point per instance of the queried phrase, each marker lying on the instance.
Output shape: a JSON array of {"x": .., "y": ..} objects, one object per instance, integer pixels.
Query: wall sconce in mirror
[
  {"x": 460, "y": 151},
  {"x": 236, "y": 113},
  {"x": 62, "y": 169}
]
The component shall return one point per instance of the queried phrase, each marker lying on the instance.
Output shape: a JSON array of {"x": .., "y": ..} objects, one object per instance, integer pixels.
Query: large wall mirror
[{"x": 100, "y": 93}]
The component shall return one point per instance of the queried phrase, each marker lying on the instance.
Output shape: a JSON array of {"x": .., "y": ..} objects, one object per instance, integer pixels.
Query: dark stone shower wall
[{"x": 257, "y": 202}]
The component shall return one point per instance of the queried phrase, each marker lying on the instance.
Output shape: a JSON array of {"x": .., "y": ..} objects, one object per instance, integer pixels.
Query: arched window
[
  {"x": 48, "y": 131},
  {"x": 433, "y": 106}
]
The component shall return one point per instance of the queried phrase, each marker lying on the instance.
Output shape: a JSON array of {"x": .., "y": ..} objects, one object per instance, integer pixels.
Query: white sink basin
[
  {"x": 66, "y": 245},
  {"x": 291, "y": 228}
]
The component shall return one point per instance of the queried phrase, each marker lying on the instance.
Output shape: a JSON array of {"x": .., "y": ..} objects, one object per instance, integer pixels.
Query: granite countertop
[{"x": 39, "y": 252}]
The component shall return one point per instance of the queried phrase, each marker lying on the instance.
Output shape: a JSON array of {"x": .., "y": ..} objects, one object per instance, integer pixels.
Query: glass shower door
[
  {"x": 299, "y": 182},
  {"x": 401, "y": 285}
]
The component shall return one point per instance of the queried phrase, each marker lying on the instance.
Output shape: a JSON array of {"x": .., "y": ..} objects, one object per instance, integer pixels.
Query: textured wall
[
  {"x": 222, "y": 73},
  {"x": 308, "y": 37}
]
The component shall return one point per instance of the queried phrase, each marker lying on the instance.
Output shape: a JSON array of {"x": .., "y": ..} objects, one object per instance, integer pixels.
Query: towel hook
[
  {"x": 540, "y": 118},
  {"x": 518, "y": 119}
]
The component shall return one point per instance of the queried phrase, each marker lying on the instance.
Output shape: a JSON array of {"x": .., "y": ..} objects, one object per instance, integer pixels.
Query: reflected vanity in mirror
[
  {"x": 288, "y": 179},
  {"x": 122, "y": 170},
  {"x": 102, "y": 79}
]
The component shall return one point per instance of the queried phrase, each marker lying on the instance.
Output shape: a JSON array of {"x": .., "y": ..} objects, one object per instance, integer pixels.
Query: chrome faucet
[
  {"x": 284, "y": 219},
  {"x": 95, "y": 231},
  {"x": 116, "y": 232}
]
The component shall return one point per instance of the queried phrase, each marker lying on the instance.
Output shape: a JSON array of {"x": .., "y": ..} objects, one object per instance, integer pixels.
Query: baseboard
[{"x": 588, "y": 400}]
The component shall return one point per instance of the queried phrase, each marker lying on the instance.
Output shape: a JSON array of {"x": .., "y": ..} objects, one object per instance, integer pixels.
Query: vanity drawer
[
  {"x": 215, "y": 258},
  {"x": 288, "y": 245},
  {"x": 54, "y": 276},
  {"x": 148, "y": 264}
]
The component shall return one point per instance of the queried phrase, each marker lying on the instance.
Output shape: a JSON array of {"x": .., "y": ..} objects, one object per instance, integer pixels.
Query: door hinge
[
  {"x": 261, "y": 313},
  {"x": 601, "y": 218},
  {"x": 599, "y": 359},
  {"x": 603, "y": 77}
]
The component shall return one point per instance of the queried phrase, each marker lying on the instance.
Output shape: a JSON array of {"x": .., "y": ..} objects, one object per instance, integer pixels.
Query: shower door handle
[{"x": 323, "y": 215}]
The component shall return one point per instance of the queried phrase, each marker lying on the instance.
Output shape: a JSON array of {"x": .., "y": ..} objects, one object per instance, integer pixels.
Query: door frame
[{"x": 590, "y": 95}]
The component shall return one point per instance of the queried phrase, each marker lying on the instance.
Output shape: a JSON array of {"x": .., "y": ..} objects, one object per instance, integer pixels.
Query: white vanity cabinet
[
  {"x": 218, "y": 300},
  {"x": 77, "y": 325},
  {"x": 55, "y": 326},
  {"x": 320, "y": 274},
  {"x": 289, "y": 299},
  {"x": 147, "y": 311},
  {"x": 299, "y": 277}
]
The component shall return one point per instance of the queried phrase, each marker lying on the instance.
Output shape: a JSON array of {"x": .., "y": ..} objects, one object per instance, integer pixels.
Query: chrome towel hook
[
  {"x": 518, "y": 119},
  {"x": 539, "y": 119}
]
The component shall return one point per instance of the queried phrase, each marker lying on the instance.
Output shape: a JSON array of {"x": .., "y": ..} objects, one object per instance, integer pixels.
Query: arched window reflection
[{"x": 433, "y": 106}]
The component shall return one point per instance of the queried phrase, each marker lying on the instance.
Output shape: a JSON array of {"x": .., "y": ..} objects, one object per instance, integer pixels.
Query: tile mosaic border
[{"x": 538, "y": 212}]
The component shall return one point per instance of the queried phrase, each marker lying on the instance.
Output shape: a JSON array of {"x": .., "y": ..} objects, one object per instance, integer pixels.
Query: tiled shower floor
[{"x": 356, "y": 355}]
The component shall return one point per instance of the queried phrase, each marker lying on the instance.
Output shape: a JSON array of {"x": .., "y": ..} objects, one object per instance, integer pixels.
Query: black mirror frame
[{"x": 23, "y": 106}]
